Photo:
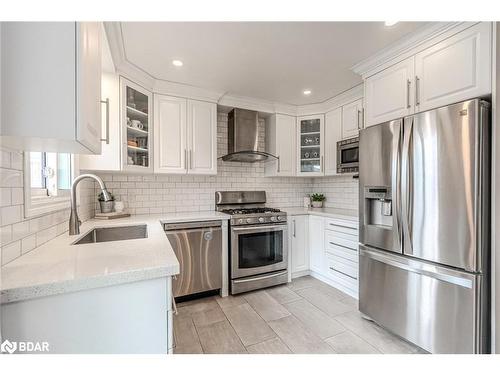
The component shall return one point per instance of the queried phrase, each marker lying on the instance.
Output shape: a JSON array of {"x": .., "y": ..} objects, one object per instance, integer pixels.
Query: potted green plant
[
  {"x": 106, "y": 207},
  {"x": 317, "y": 200}
]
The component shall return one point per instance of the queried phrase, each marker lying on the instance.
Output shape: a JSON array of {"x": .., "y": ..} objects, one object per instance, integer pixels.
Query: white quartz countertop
[
  {"x": 59, "y": 267},
  {"x": 327, "y": 212}
]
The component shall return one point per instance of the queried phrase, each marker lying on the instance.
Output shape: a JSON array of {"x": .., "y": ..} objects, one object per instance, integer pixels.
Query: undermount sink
[{"x": 130, "y": 232}]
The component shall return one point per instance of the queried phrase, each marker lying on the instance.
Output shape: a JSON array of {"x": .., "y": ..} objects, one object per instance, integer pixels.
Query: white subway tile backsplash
[
  {"x": 5, "y": 197},
  {"x": 11, "y": 252},
  {"x": 28, "y": 243},
  {"x": 18, "y": 234},
  {"x": 10, "y": 214}
]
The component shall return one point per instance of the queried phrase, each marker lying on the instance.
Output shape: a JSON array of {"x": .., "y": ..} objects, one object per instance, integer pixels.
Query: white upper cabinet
[
  {"x": 51, "y": 86},
  {"x": 310, "y": 145},
  {"x": 88, "y": 93},
  {"x": 281, "y": 142},
  {"x": 388, "y": 94},
  {"x": 111, "y": 144},
  {"x": 333, "y": 134},
  {"x": 137, "y": 130},
  {"x": 109, "y": 159},
  {"x": 456, "y": 69},
  {"x": 170, "y": 129},
  {"x": 202, "y": 137},
  {"x": 185, "y": 136},
  {"x": 352, "y": 119}
]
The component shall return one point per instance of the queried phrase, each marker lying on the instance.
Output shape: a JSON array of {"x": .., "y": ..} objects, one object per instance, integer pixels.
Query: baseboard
[
  {"x": 334, "y": 284},
  {"x": 300, "y": 274}
]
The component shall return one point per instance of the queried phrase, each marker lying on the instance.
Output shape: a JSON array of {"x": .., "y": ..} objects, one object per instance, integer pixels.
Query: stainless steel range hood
[{"x": 243, "y": 137}]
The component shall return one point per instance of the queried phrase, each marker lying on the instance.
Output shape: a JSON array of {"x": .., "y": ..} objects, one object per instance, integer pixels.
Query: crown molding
[
  {"x": 134, "y": 73},
  {"x": 335, "y": 102},
  {"x": 407, "y": 46},
  {"x": 258, "y": 105}
]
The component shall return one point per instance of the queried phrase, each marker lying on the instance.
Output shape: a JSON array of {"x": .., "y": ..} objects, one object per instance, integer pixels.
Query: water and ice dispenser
[{"x": 378, "y": 206}]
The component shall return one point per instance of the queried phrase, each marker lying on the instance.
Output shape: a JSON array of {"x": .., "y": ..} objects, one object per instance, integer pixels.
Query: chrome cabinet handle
[
  {"x": 408, "y": 86},
  {"x": 321, "y": 163},
  {"x": 186, "y": 159},
  {"x": 294, "y": 228},
  {"x": 279, "y": 164},
  {"x": 107, "y": 120},
  {"x": 417, "y": 90},
  {"x": 359, "y": 113},
  {"x": 190, "y": 159},
  {"x": 343, "y": 273}
]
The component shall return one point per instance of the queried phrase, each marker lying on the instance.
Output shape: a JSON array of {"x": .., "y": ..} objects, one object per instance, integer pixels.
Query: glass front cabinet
[
  {"x": 137, "y": 127},
  {"x": 310, "y": 134}
]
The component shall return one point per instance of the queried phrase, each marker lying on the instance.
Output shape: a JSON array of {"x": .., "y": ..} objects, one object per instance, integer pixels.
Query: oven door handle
[
  {"x": 260, "y": 228},
  {"x": 257, "y": 278}
]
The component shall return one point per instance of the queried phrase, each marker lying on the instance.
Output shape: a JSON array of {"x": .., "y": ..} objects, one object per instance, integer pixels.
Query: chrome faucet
[{"x": 74, "y": 222}]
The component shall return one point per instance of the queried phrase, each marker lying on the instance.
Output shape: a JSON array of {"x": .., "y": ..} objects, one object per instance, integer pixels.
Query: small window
[{"x": 48, "y": 188}]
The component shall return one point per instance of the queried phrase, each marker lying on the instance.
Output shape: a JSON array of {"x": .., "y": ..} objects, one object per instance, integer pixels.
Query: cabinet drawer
[
  {"x": 341, "y": 239},
  {"x": 343, "y": 226},
  {"x": 341, "y": 251},
  {"x": 342, "y": 266}
]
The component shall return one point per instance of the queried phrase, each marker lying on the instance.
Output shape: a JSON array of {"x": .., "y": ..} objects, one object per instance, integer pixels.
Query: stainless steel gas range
[{"x": 258, "y": 240}]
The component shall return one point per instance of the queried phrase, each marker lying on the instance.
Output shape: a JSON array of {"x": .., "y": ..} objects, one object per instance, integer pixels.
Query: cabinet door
[
  {"x": 389, "y": 94},
  {"x": 352, "y": 119},
  {"x": 88, "y": 85},
  {"x": 170, "y": 134},
  {"x": 333, "y": 134},
  {"x": 285, "y": 145},
  {"x": 300, "y": 251},
  {"x": 456, "y": 69},
  {"x": 110, "y": 157},
  {"x": 310, "y": 143},
  {"x": 316, "y": 244},
  {"x": 137, "y": 130},
  {"x": 202, "y": 137}
]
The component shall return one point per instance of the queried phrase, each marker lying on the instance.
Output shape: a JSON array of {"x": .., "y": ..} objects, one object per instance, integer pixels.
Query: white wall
[
  {"x": 148, "y": 193},
  {"x": 145, "y": 194}
]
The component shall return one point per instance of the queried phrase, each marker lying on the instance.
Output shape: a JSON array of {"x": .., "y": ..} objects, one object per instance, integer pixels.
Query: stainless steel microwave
[{"x": 348, "y": 155}]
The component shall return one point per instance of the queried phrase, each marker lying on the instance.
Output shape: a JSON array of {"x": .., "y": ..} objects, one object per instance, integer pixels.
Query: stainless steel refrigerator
[{"x": 425, "y": 227}]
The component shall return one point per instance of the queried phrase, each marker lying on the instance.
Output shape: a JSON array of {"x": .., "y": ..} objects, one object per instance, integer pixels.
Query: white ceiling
[{"x": 274, "y": 61}]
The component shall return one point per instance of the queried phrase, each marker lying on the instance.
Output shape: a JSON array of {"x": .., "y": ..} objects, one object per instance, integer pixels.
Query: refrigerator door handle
[
  {"x": 440, "y": 273},
  {"x": 406, "y": 184},
  {"x": 396, "y": 183}
]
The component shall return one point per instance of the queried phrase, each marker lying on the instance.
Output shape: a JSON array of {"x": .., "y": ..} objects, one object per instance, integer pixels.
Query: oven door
[
  {"x": 348, "y": 155},
  {"x": 258, "y": 249}
]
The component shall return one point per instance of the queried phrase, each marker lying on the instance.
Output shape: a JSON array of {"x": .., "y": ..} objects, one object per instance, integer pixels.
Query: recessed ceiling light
[
  {"x": 307, "y": 92},
  {"x": 390, "y": 23},
  {"x": 177, "y": 63}
]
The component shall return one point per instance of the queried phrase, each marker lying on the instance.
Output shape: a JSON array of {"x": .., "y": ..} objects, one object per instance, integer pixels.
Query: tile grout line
[
  {"x": 235, "y": 331},
  {"x": 271, "y": 328}
]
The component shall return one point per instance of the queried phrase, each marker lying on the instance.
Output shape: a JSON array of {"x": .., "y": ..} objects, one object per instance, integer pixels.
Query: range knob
[
  {"x": 280, "y": 218},
  {"x": 240, "y": 221},
  {"x": 261, "y": 219},
  {"x": 249, "y": 221},
  {"x": 273, "y": 218}
]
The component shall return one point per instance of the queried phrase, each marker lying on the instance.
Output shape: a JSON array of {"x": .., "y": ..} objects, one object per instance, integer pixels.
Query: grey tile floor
[{"x": 304, "y": 316}]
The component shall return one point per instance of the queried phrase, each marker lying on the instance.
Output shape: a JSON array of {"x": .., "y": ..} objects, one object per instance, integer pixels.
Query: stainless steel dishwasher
[{"x": 198, "y": 247}]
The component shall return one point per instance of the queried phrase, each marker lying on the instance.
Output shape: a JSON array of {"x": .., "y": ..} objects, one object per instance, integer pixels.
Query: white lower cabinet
[
  {"x": 326, "y": 248},
  {"x": 316, "y": 244},
  {"x": 299, "y": 249},
  {"x": 132, "y": 318}
]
